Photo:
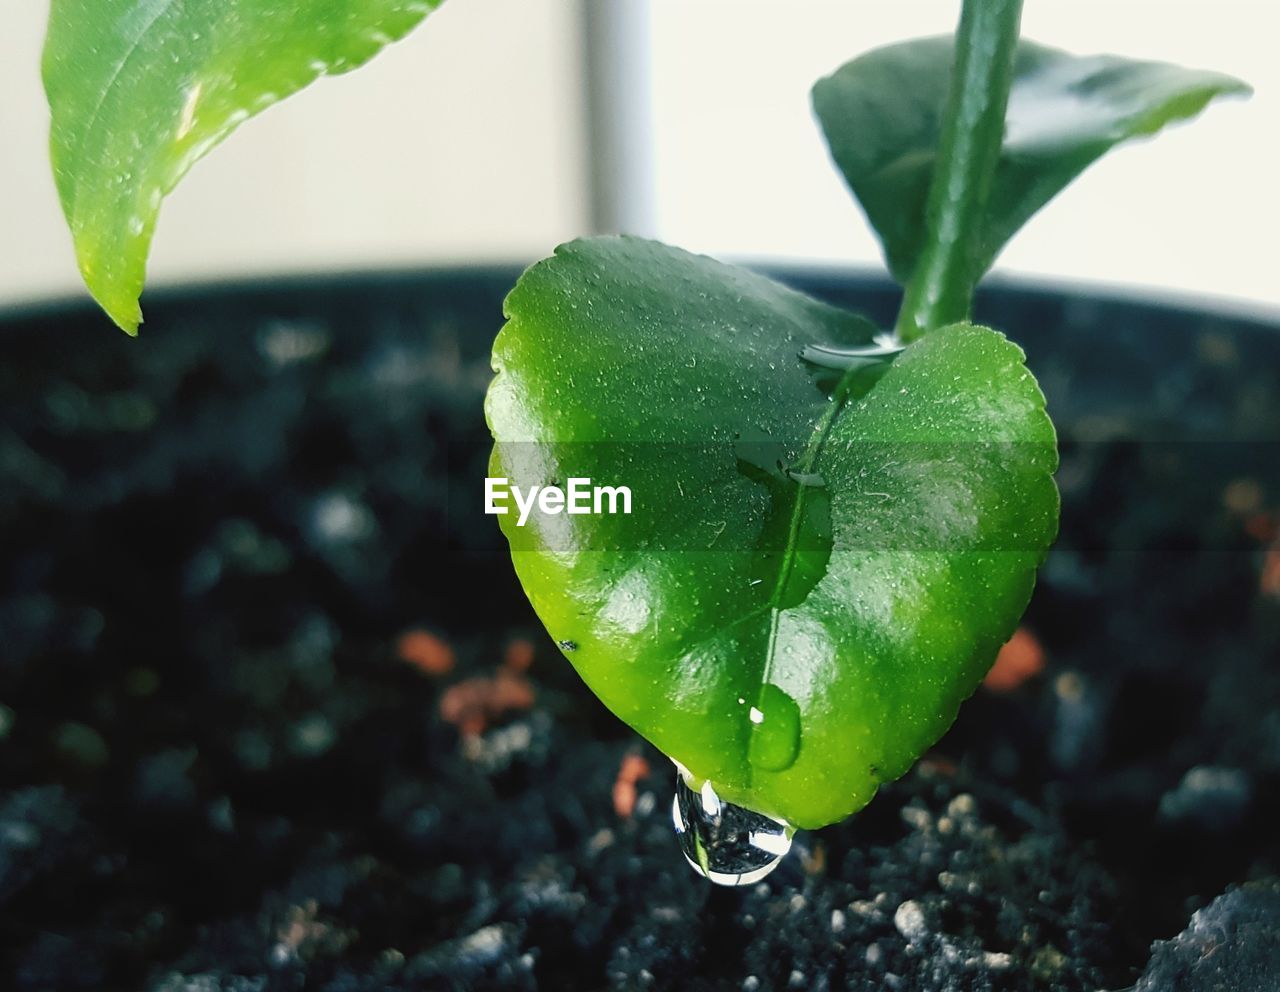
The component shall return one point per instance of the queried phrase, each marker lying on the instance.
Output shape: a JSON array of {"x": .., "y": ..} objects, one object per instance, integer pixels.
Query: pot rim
[{"x": 71, "y": 303}]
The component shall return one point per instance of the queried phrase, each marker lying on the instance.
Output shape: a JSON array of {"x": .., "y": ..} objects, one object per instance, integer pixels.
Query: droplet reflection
[{"x": 727, "y": 844}]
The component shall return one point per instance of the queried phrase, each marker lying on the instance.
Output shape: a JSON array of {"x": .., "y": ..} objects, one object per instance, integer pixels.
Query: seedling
[{"x": 834, "y": 526}]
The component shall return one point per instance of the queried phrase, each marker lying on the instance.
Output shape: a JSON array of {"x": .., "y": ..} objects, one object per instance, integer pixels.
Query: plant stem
[{"x": 940, "y": 290}]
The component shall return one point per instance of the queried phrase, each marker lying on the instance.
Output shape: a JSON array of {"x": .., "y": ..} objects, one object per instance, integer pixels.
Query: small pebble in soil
[
  {"x": 1078, "y": 717},
  {"x": 337, "y": 518},
  {"x": 909, "y": 921},
  {"x": 1209, "y": 797}
]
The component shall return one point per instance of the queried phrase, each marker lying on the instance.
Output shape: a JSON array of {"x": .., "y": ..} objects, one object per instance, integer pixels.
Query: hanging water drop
[{"x": 727, "y": 844}]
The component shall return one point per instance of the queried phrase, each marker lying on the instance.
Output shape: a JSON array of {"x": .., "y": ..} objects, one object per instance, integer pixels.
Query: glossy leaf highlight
[
  {"x": 815, "y": 572},
  {"x": 139, "y": 90},
  {"x": 882, "y": 117}
]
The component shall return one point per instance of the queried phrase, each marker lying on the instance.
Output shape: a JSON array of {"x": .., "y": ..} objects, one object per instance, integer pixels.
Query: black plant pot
[{"x": 222, "y": 766}]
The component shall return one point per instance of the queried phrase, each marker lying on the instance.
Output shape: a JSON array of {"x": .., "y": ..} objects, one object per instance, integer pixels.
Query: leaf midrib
[{"x": 807, "y": 463}]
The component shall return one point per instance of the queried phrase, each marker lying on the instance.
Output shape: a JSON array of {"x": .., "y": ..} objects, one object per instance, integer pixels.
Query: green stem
[{"x": 940, "y": 290}]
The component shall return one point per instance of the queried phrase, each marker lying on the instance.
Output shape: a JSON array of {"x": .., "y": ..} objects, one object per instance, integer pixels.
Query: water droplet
[
  {"x": 775, "y": 731},
  {"x": 725, "y": 843},
  {"x": 885, "y": 349}
]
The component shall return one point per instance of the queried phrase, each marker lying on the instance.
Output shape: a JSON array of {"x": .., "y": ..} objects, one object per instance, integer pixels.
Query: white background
[
  {"x": 461, "y": 142},
  {"x": 467, "y": 141}
]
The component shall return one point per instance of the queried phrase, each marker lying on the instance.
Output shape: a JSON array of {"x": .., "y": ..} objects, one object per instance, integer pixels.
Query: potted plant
[{"x": 834, "y": 522}]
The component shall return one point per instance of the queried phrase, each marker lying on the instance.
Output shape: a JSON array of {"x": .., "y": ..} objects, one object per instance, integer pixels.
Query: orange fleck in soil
[
  {"x": 472, "y": 704},
  {"x": 633, "y": 769},
  {"x": 1020, "y": 659},
  {"x": 1269, "y": 580},
  {"x": 519, "y": 655},
  {"x": 936, "y": 765},
  {"x": 425, "y": 652},
  {"x": 814, "y": 861}
]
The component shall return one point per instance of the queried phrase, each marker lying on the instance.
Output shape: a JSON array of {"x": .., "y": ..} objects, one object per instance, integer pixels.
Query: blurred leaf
[
  {"x": 882, "y": 116},
  {"x": 810, "y": 579},
  {"x": 141, "y": 89}
]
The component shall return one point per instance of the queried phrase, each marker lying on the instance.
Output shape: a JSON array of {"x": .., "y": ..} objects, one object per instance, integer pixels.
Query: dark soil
[{"x": 221, "y": 766}]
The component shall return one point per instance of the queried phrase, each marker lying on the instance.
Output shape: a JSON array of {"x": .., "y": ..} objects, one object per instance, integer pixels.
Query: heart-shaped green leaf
[
  {"x": 140, "y": 90},
  {"x": 813, "y": 573},
  {"x": 882, "y": 116}
]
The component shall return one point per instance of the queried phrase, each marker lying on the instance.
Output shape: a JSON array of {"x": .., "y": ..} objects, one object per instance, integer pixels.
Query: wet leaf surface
[
  {"x": 882, "y": 116},
  {"x": 796, "y": 636},
  {"x": 140, "y": 90}
]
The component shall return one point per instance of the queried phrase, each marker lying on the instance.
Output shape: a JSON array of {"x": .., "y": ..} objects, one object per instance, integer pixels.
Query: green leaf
[
  {"x": 882, "y": 116},
  {"x": 844, "y": 558},
  {"x": 141, "y": 89}
]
